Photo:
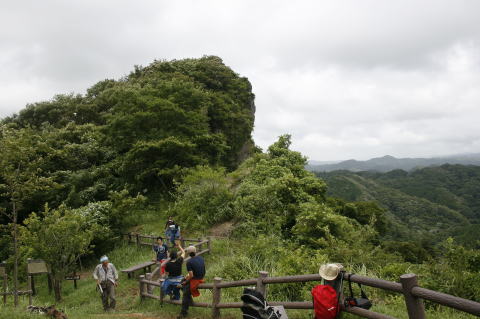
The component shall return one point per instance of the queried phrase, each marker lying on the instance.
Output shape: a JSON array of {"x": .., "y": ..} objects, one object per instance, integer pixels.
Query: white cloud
[{"x": 348, "y": 79}]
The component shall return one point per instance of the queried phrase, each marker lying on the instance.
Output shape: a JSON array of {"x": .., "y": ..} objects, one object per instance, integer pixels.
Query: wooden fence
[
  {"x": 139, "y": 239},
  {"x": 407, "y": 286},
  {"x": 5, "y": 292}
]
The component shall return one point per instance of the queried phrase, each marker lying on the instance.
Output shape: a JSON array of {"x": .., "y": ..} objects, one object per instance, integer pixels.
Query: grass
[{"x": 85, "y": 303}]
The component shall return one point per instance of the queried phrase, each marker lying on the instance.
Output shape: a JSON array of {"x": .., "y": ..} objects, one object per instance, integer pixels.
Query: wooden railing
[
  {"x": 138, "y": 239},
  {"x": 408, "y": 286},
  {"x": 5, "y": 292}
]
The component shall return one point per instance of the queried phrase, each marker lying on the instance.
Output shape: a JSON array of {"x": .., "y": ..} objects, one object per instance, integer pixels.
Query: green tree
[
  {"x": 60, "y": 237},
  {"x": 21, "y": 175}
]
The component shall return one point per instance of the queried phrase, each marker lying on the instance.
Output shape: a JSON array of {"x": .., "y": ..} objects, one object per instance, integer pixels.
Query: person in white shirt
[{"x": 106, "y": 276}]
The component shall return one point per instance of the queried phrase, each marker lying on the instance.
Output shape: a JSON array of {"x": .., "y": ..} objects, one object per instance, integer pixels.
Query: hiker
[
  {"x": 169, "y": 222},
  {"x": 160, "y": 249},
  {"x": 172, "y": 231},
  {"x": 196, "y": 272},
  {"x": 173, "y": 272},
  {"x": 106, "y": 276}
]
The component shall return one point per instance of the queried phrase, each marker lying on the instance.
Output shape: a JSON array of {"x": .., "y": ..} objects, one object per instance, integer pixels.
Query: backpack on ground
[
  {"x": 326, "y": 300},
  {"x": 256, "y": 307}
]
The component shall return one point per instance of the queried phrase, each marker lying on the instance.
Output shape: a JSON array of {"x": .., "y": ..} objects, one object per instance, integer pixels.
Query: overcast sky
[{"x": 347, "y": 79}]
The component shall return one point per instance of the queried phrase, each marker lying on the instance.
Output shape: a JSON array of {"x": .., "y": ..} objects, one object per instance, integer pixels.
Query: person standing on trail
[
  {"x": 169, "y": 222},
  {"x": 161, "y": 255},
  {"x": 172, "y": 231},
  {"x": 196, "y": 273},
  {"x": 173, "y": 272},
  {"x": 106, "y": 276}
]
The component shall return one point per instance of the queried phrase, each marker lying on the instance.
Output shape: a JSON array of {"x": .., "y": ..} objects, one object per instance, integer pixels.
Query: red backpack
[{"x": 325, "y": 302}]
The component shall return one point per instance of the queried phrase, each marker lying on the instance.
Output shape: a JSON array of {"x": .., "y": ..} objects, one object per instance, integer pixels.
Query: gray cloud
[{"x": 348, "y": 79}]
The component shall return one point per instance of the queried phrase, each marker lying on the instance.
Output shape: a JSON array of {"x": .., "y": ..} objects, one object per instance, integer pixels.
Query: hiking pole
[{"x": 100, "y": 288}]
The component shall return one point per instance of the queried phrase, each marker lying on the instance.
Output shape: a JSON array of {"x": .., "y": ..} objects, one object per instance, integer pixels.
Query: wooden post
[
  {"x": 216, "y": 297},
  {"x": 75, "y": 280},
  {"x": 49, "y": 280},
  {"x": 32, "y": 285},
  {"x": 148, "y": 276},
  {"x": 5, "y": 288},
  {"x": 415, "y": 306},
  {"x": 138, "y": 239},
  {"x": 261, "y": 287},
  {"x": 200, "y": 246},
  {"x": 209, "y": 244},
  {"x": 141, "y": 287},
  {"x": 162, "y": 295},
  {"x": 129, "y": 237},
  {"x": 183, "y": 242},
  {"x": 31, "y": 291}
]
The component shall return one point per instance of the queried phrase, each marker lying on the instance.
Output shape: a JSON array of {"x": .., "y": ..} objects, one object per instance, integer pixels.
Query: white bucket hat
[
  {"x": 330, "y": 271},
  {"x": 103, "y": 259}
]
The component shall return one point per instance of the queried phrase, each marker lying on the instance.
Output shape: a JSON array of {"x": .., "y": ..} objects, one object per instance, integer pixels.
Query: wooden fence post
[
  {"x": 138, "y": 239},
  {"x": 129, "y": 237},
  {"x": 261, "y": 287},
  {"x": 216, "y": 297},
  {"x": 30, "y": 288},
  {"x": 182, "y": 241},
  {"x": 148, "y": 276},
  {"x": 200, "y": 247},
  {"x": 141, "y": 287},
  {"x": 415, "y": 306},
  {"x": 162, "y": 295},
  {"x": 209, "y": 244}
]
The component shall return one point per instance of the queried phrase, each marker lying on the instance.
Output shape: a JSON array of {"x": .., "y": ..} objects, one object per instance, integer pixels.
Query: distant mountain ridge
[
  {"x": 441, "y": 200},
  {"x": 389, "y": 163}
]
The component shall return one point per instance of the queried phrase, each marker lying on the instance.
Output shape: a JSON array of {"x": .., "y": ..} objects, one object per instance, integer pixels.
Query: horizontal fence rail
[
  {"x": 414, "y": 295},
  {"x": 203, "y": 246},
  {"x": 136, "y": 238}
]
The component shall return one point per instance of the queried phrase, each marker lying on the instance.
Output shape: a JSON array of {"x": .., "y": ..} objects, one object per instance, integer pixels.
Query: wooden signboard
[
  {"x": 72, "y": 277},
  {"x": 36, "y": 267}
]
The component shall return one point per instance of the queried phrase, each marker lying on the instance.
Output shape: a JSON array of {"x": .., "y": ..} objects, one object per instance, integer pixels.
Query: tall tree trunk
[
  {"x": 57, "y": 288},
  {"x": 15, "y": 252}
]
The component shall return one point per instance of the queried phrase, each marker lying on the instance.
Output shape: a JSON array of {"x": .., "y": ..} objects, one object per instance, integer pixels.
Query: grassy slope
[{"x": 84, "y": 303}]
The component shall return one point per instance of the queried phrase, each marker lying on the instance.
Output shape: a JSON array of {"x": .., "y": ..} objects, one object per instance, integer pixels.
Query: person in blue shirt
[
  {"x": 161, "y": 254},
  {"x": 196, "y": 273}
]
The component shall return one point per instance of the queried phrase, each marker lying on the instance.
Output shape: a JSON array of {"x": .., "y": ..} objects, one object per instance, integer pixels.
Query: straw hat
[{"x": 330, "y": 271}]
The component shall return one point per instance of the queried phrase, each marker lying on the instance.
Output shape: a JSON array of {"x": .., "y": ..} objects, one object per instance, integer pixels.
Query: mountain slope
[
  {"x": 407, "y": 214},
  {"x": 388, "y": 163}
]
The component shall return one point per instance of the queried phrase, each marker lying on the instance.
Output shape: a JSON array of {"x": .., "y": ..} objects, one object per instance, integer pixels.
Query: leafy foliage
[{"x": 59, "y": 237}]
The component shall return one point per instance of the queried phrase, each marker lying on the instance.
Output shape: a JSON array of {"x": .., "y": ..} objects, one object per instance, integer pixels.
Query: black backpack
[
  {"x": 362, "y": 302},
  {"x": 255, "y": 306}
]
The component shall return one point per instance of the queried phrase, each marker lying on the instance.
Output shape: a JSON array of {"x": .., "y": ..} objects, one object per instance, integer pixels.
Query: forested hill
[
  {"x": 137, "y": 133},
  {"x": 442, "y": 200},
  {"x": 389, "y": 163}
]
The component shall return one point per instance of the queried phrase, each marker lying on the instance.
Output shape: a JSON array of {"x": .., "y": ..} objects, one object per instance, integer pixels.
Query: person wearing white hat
[
  {"x": 106, "y": 276},
  {"x": 196, "y": 273}
]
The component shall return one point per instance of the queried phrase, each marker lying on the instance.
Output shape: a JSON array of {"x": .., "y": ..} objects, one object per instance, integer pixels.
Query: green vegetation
[
  {"x": 427, "y": 204},
  {"x": 174, "y": 138}
]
